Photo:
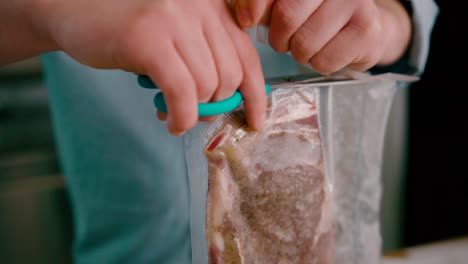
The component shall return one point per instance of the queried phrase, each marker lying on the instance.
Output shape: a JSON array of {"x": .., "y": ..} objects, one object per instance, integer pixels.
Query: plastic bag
[{"x": 306, "y": 189}]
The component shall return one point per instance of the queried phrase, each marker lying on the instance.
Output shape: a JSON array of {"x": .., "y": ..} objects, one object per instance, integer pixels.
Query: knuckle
[
  {"x": 232, "y": 81},
  {"x": 185, "y": 124},
  {"x": 300, "y": 49},
  {"x": 359, "y": 66},
  {"x": 123, "y": 47},
  {"x": 366, "y": 21},
  {"x": 283, "y": 12},
  {"x": 170, "y": 91},
  {"x": 323, "y": 64},
  {"x": 368, "y": 62},
  {"x": 277, "y": 43},
  {"x": 370, "y": 54},
  {"x": 373, "y": 59},
  {"x": 206, "y": 87},
  {"x": 127, "y": 40},
  {"x": 278, "y": 40},
  {"x": 236, "y": 80},
  {"x": 359, "y": 28},
  {"x": 370, "y": 30},
  {"x": 177, "y": 88}
]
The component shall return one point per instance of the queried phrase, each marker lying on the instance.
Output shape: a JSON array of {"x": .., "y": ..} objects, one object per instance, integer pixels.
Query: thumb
[{"x": 251, "y": 12}]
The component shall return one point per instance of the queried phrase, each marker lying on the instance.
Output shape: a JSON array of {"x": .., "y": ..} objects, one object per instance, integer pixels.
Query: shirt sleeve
[{"x": 423, "y": 14}]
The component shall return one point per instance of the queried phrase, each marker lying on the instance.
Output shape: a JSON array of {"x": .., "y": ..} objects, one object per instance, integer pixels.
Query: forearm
[
  {"x": 398, "y": 30},
  {"x": 23, "y": 32}
]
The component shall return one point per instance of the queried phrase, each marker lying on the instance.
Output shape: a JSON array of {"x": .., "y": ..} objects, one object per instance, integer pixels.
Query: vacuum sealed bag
[{"x": 305, "y": 189}]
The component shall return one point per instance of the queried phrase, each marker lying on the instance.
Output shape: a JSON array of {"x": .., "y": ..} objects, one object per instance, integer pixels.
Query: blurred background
[
  {"x": 436, "y": 206},
  {"x": 425, "y": 197},
  {"x": 35, "y": 218}
]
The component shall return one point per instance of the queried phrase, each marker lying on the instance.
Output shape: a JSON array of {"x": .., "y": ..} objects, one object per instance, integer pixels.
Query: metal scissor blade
[
  {"x": 280, "y": 81},
  {"x": 229, "y": 104}
]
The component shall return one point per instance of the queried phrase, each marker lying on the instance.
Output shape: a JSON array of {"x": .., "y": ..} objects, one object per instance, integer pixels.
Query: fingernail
[{"x": 243, "y": 15}]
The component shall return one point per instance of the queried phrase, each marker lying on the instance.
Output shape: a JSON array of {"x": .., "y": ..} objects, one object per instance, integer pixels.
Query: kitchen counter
[{"x": 454, "y": 251}]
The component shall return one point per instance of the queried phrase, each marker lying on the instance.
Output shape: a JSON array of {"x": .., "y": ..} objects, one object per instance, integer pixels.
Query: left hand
[{"x": 332, "y": 34}]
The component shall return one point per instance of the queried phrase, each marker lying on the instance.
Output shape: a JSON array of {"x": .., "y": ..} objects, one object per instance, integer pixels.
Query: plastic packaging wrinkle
[{"x": 306, "y": 189}]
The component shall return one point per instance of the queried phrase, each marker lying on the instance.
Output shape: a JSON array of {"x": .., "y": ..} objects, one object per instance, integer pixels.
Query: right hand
[
  {"x": 193, "y": 50},
  {"x": 332, "y": 34}
]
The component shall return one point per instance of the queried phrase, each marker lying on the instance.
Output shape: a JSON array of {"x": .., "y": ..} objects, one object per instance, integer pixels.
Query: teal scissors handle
[{"x": 204, "y": 109}]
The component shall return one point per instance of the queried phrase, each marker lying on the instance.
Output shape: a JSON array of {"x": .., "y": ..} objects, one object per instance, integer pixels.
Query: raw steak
[{"x": 269, "y": 200}]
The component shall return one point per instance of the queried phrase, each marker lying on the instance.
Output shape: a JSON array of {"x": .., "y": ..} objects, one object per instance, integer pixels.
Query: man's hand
[
  {"x": 332, "y": 34},
  {"x": 193, "y": 50}
]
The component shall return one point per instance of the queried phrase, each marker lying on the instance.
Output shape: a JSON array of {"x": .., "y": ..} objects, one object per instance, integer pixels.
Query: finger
[
  {"x": 207, "y": 118},
  {"x": 195, "y": 52},
  {"x": 351, "y": 48},
  {"x": 179, "y": 91},
  {"x": 369, "y": 29},
  {"x": 161, "y": 116},
  {"x": 228, "y": 67},
  {"x": 253, "y": 84},
  {"x": 286, "y": 17},
  {"x": 333, "y": 56},
  {"x": 249, "y": 13},
  {"x": 320, "y": 28}
]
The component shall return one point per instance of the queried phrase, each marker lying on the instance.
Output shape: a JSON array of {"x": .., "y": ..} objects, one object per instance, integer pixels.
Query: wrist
[{"x": 22, "y": 31}]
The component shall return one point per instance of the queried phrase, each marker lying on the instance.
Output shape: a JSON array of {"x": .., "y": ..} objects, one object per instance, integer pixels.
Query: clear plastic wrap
[{"x": 306, "y": 189}]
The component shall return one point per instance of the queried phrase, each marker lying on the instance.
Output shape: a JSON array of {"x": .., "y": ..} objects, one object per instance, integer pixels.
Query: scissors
[{"x": 204, "y": 109}]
